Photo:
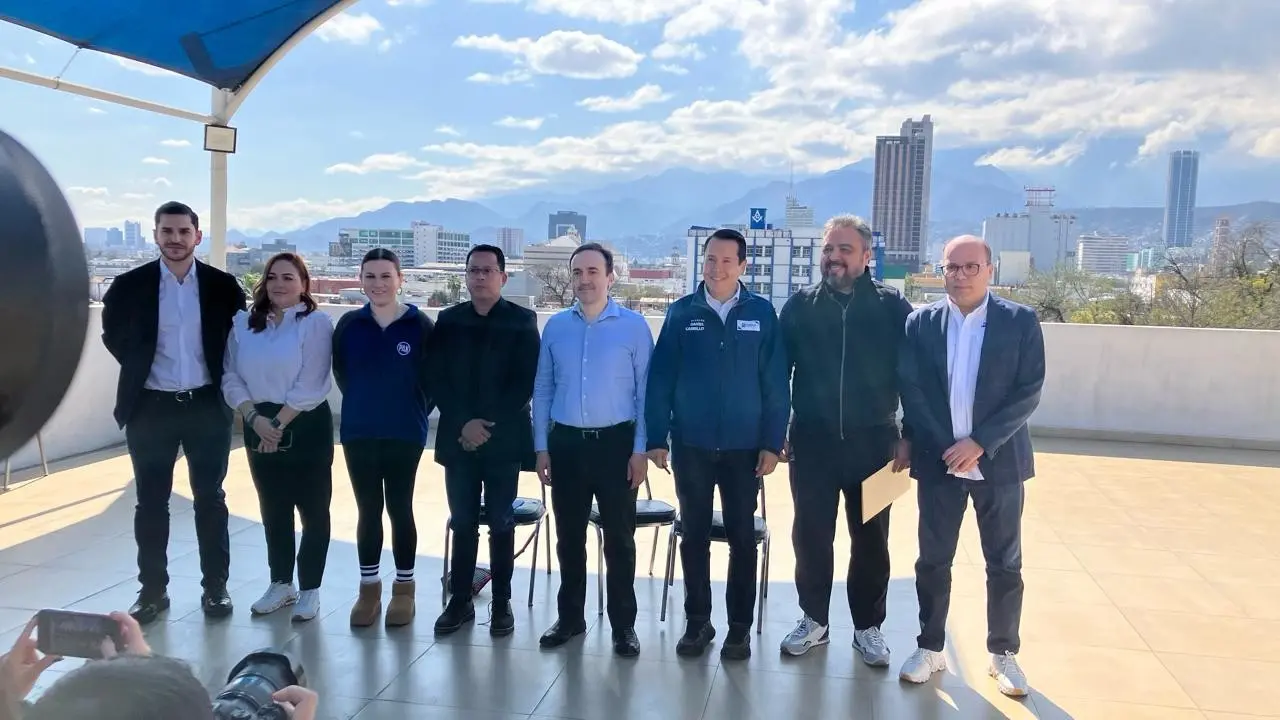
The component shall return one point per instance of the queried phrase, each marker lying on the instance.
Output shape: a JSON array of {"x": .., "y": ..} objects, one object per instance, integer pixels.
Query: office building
[
  {"x": 1220, "y": 251},
  {"x": 1180, "y": 198},
  {"x": 1102, "y": 255},
  {"x": 779, "y": 261},
  {"x": 798, "y": 216},
  {"x": 353, "y": 243},
  {"x": 434, "y": 244},
  {"x": 900, "y": 197},
  {"x": 115, "y": 238},
  {"x": 1038, "y": 230},
  {"x": 558, "y": 224},
  {"x": 511, "y": 240},
  {"x": 133, "y": 234},
  {"x": 95, "y": 237}
]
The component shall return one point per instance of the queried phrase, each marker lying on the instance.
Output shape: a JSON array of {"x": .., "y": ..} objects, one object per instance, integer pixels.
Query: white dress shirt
[
  {"x": 289, "y": 363},
  {"x": 179, "y": 363},
  {"x": 964, "y": 354},
  {"x": 722, "y": 308}
]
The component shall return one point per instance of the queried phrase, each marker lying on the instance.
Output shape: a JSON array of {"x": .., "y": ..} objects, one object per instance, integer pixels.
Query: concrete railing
[{"x": 1179, "y": 385}]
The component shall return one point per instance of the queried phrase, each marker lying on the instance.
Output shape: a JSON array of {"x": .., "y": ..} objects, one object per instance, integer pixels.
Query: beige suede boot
[
  {"x": 403, "y": 606},
  {"x": 368, "y": 606}
]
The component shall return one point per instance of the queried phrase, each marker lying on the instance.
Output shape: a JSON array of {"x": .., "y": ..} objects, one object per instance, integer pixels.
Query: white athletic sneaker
[
  {"x": 308, "y": 606},
  {"x": 870, "y": 643},
  {"x": 807, "y": 635},
  {"x": 277, "y": 596},
  {"x": 1009, "y": 677},
  {"x": 922, "y": 665}
]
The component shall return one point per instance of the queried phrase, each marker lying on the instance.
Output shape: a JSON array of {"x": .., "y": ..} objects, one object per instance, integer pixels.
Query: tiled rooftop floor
[{"x": 1153, "y": 591}]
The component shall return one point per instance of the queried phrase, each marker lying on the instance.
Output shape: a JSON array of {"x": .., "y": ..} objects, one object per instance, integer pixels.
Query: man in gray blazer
[{"x": 971, "y": 369}]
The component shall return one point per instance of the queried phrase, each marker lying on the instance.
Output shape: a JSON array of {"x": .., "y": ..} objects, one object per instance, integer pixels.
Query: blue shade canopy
[{"x": 218, "y": 42}]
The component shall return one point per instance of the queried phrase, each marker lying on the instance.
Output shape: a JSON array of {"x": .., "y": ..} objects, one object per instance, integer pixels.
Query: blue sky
[{"x": 459, "y": 98}]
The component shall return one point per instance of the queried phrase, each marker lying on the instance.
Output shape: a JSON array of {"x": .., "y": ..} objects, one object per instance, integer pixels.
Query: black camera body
[{"x": 252, "y": 682}]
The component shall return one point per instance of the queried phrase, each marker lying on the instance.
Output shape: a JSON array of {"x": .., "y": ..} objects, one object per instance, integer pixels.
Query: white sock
[
  {"x": 404, "y": 576},
  {"x": 369, "y": 574}
]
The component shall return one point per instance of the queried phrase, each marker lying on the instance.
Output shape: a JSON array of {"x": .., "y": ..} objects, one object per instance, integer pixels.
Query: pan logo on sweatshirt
[{"x": 402, "y": 348}]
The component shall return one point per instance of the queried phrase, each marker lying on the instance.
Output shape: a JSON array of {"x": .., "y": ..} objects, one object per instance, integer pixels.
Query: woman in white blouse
[{"x": 279, "y": 355}]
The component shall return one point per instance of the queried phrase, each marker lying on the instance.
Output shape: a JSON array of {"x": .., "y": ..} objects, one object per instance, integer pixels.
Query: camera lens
[{"x": 252, "y": 683}]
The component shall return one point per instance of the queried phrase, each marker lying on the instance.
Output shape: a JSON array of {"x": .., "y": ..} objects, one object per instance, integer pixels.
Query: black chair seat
[
  {"x": 648, "y": 513},
  {"x": 718, "y": 531},
  {"x": 528, "y": 511}
]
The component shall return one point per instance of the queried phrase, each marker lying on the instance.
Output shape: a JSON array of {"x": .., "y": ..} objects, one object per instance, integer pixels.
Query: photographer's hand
[
  {"x": 130, "y": 634},
  {"x": 21, "y": 666},
  {"x": 299, "y": 702}
]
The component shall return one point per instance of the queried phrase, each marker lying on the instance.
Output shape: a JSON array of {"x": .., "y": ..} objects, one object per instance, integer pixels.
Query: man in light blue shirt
[{"x": 588, "y": 431}]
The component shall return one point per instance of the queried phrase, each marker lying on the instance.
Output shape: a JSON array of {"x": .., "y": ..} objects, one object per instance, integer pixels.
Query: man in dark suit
[
  {"x": 971, "y": 369},
  {"x": 166, "y": 322},
  {"x": 483, "y": 357}
]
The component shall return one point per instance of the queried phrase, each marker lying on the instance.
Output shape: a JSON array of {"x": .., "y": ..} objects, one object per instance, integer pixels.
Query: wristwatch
[{"x": 275, "y": 423}]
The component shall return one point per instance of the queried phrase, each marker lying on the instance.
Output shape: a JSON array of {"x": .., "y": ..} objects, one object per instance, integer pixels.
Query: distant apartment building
[
  {"x": 1220, "y": 251},
  {"x": 95, "y": 237},
  {"x": 779, "y": 261},
  {"x": 1180, "y": 198},
  {"x": 558, "y": 224},
  {"x": 900, "y": 196},
  {"x": 434, "y": 244},
  {"x": 1038, "y": 230},
  {"x": 353, "y": 243},
  {"x": 260, "y": 255},
  {"x": 133, "y": 234},
  {"x": 115, "y": 238},
  {"x": 798, "y": 216},
  {"x": 1102, "y": 255},
  {"x": 511, "y": 240}
]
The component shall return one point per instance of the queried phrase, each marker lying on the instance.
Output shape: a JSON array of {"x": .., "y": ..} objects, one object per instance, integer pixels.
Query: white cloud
[
  {"x": 143, "y": 68},
  {"x": 294, "y": 214},
  {"x": 348, "y": 28},
  {"x": 383, "y": 162},
  {"x": 674, "y": 69},
  {"x": 162, "y": 182},
  {"x": 28, "y": 59},
  {"x": 410, "y": 3},
  {"x": 356, "y": 135},
  {"x": 532, "y": 123},
  {"x": 154, "y": 161},
  {"x": 137, "y": 196},
  {"x": 97, "y": 111},
  {"x": 562, "y": 52},
  {"x": 449, "y": 130},
  {"x": 511, "y": 77},
  {"x": 1025, "y": 158},
  {"x": 670, "y": 51},
  {"x": 91, "y": 191},
  {"x": 176, "y": 143},
  {"x": 644, "y": 95}
]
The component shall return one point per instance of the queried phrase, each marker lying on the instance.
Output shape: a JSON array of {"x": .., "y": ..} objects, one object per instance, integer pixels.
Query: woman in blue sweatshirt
[{"x": 379, "y": 364}]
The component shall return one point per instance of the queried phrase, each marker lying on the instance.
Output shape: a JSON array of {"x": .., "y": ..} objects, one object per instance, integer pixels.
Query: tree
[
  {"x": 438, "y": 298},
  {"x": 556, "y": 282},
  {"x": 250, "y": 280},
  {"x": 1057, "y": 295},
  {"x": 453, "y": 287}
]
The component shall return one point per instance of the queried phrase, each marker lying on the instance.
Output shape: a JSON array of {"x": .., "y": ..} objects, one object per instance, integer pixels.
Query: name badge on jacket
[{"x": 749, "y": 325}]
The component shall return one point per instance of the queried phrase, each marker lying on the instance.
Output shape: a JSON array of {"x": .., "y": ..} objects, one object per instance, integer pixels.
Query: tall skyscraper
[
  {"x": 558, "y": 223},
  {"x": 900, "y": 198},
  {"x": 511, "y": 240},
  {"x": 133, "y": 234},
  {"x": 1180, "y": 198}
]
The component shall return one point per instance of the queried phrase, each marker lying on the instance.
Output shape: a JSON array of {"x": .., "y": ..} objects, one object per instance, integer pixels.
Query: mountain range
[{"x": 648, "y": 216}]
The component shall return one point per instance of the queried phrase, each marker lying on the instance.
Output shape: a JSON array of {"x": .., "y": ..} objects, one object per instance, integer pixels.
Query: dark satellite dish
[{"x": 44, "y": 296}]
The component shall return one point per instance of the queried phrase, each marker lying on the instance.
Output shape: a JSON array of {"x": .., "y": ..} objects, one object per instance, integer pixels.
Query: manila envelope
[{"x": 881, "y": 489}]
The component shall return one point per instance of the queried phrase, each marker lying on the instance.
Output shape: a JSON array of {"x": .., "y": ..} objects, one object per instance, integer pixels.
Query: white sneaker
[
  {"x": 1009, "y": 677},
  {"x": 870, "y": 643},
  {"x": 807, "y": 635},
  {"x": 308, "y": 606},
  {"x": 922, "y": 665},
  {"x": 277, "y": 596}
]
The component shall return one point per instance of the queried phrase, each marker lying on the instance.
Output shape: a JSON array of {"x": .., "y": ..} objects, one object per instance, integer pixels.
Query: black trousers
[
  {"x": 999, "y": 510},
  {"x": 298, "y": 476},
  {"x": 587, "y": 464},
  {"x": 822, "y": 467},
  {"x": 383, "y": 473},
  {"x": 466, "y": 483},
  {"x": 199, "y": 423},
  {"x": 698, "y": 473}
]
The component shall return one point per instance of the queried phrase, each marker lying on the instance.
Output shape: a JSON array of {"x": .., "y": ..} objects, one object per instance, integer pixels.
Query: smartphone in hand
[{"x": 75, "y": 634}]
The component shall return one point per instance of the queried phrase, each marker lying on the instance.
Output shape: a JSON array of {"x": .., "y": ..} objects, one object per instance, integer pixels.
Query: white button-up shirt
[
  {"x": 179, "y": 362},
  {"x": 965, "y": 334},
  {"x": 289, "y": 363},
  {"x": 722, "y": 308}
]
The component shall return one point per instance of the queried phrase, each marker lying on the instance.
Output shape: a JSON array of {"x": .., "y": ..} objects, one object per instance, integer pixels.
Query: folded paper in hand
[{"x": 880, "y": 490}]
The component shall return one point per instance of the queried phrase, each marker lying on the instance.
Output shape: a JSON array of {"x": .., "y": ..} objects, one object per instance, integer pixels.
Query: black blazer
[
  {"x": 1010, "y": 376},
  {"x": 506, "y": 364},
  {"x": 131, "y": 321}
]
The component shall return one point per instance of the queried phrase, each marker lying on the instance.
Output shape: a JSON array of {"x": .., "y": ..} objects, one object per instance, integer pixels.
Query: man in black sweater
[{"x": 842, "y": 338}]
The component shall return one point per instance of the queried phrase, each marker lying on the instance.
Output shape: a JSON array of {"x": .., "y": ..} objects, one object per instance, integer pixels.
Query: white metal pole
[
  {"x": 218, "y": 189},
  {"x": 96, "y": 94}
]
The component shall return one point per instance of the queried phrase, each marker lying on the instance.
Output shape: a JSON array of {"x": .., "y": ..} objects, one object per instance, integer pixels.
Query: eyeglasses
[
  {"x": 967, "y": 270},
  {"x": 482, "y": 272}
]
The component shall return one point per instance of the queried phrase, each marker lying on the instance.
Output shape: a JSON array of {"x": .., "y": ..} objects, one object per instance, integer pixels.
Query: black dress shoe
[
  {"x": 457, "y": 613},
  {"x": 625, "y": 643},
  {"x": 149, "y": 606},
  {"x": 501, "y": 621},
  {"x": 737, "y": 644},
  {"x": 697, "y": 637},
  {"x": 216, "y": 603},
  {"x": 561, "y": 633}
]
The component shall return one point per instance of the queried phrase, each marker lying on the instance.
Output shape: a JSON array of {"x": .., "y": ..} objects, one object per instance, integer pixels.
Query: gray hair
[{"x": 849, "y": 221}]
